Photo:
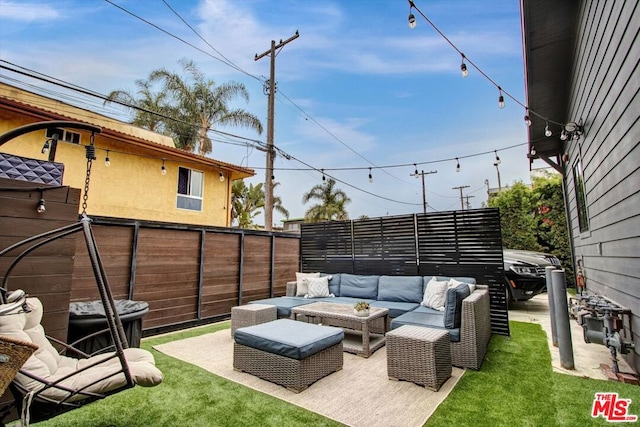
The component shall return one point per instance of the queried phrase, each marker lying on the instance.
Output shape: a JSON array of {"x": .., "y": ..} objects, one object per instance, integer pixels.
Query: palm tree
[
  {"x": 246, "y": 203},
  {"x": 145, "y": 105},
  {"x": 203, "y": 104},
  {"x": 332, "y": 202}
]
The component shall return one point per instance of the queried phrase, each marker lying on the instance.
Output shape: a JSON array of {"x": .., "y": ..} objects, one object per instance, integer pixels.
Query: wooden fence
[{"x": 187, "y": 274}]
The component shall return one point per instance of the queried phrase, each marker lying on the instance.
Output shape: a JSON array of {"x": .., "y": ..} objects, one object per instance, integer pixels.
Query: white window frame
[
  {"x": 190, "y": 201},
  {"x": 66, "y": 135}
]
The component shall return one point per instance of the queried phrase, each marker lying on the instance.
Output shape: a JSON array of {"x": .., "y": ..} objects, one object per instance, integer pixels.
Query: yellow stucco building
[{"x": 137, "y": 174}]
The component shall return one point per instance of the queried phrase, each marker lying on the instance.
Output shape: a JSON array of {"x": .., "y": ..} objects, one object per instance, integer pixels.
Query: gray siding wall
[{"x": 605, "y": 95}]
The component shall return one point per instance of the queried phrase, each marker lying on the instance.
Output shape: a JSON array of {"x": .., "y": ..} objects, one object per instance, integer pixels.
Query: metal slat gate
[{"x": 456, "y": 243}]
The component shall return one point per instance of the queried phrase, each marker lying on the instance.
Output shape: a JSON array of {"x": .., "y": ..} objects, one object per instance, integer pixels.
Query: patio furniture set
[{"x": 427, "y": 323}]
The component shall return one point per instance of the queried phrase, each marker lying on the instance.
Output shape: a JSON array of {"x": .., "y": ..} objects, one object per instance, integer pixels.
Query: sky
[{"x": 359, "y": 93}]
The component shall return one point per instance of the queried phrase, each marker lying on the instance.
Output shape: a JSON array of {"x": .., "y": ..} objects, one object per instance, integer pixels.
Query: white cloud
[{"x": 27, "y": 12}]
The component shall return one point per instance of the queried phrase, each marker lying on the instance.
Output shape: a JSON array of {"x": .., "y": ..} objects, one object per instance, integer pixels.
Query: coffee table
[{"x": 358, "y": 337}]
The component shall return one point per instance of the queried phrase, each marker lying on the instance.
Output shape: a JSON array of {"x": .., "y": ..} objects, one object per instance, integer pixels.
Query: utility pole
[
  {"x": 424, "y": 193},
  {"x": 468, "y": 204},
  {"x": 270, "y": 88},
  {"x": 461, "y": 196}
]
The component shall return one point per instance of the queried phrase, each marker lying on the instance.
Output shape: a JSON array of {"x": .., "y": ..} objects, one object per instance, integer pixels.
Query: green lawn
[{"x": 515, "y": 387}]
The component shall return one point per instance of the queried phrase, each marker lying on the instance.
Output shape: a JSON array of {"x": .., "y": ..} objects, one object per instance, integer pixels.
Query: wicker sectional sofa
[{"x": 466, "y": 314}]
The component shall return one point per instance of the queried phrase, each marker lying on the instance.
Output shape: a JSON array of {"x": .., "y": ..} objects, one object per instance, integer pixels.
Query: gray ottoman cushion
[{"x": 288, "y": 338}]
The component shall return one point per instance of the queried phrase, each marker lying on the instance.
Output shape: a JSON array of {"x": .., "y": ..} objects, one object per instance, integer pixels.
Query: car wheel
[{"x": 507, "y": 295}]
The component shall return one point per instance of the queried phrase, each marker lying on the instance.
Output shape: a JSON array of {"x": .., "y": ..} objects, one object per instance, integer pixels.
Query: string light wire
[{"x": 412, "y": 5}]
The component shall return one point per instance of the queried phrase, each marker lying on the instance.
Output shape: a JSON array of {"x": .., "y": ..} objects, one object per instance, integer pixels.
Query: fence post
[
  {"x": 552, "y": 310},
  {"x": 562, "y": 319}
]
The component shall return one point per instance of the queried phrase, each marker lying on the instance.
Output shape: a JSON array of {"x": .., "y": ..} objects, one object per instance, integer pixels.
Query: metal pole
[
  {"x": 565, "y": 344},
  {"x": 552, "y": 310},
  {"x": 498, "y": 171}
]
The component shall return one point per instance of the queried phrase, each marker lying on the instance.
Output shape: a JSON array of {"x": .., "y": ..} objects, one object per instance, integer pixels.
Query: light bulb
[
  {"x": 547, "y": 131},
  {"x": 533, "y": 150},
  {"x": 45, "y": 147},
  {"x": 416, "y": 171},
  {"x": 463, "y": 68},
  {"x": 498, "y": 161},
  {"x": 457, "y": 165},
  {"x": 41, "y": 207},
  {"x": 221, "y": 176},
  {"x": 412, "y": 21},
  {"x": 324, "y": 178},
  {"x": 527, "y": 120},
  {"x": 501, "y": 101},
  {"x": 163, "y": 170},
  {"x": 563, "y": 135},
  {"x": 370, "y": 176},
  {"x": 107, "y": 162}
]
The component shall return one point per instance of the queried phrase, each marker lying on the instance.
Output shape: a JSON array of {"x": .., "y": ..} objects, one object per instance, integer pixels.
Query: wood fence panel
[
  {"x": 47, "y": 271},
  {"x": 287, "y": 263},
  {"x": 114, "y": 245},
  {"x": 221, "y": 274},
  {"x": 256, "y": 274},
  {"x": 167, "y": 273}
]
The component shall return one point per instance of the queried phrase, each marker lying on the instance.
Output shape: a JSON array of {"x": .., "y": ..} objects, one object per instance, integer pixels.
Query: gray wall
[{"x": 605, "y": 94}]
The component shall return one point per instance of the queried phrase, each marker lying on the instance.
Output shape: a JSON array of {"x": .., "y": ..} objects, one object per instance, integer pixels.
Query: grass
[{"x": 515, "y": 387}]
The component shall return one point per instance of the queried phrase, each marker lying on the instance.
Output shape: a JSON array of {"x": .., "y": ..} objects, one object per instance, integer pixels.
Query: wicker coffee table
[{"x": 358, "y": 338}]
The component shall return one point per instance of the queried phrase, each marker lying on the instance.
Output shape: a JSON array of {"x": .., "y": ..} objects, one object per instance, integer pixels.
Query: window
[
  {"x": 190, "y": 189},
  {"x": 581, "y": 197},
  {"x": 64, "y": 135}
]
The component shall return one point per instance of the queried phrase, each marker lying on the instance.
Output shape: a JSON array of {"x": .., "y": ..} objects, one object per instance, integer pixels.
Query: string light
[
  {"x": 463, "y": 67},
  {"x": 564, "y": 135},
  {"x": 498, "y": 161},
  {"x": 412, "y": 19},
  {"x": 464, "y": 70},
  {"x": 107, "y": 161},
  {"x": 221, "y": 175},
  {"x": 547, "y": 131},
  {"x": 527, "y": 120},
  {"x": 533, "y": 150},
  {"x": 163, "y": 169},
  {"x": 416, "y": 171},
  {"x": 324, "y": 178},
  {"x": 457, "y": 165},
  {"x": 370, "y": 176},
  {"x": 41, "y": 207},
  {"x": 45, "y": 147}
]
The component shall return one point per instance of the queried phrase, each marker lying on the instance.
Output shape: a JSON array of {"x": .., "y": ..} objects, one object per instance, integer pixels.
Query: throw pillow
[
  {"x": 301, "y": 288},
  {"x": 435, "y": 294},
  {"x": 453, "y": 283},
  {"x": 318, "y": 287}
]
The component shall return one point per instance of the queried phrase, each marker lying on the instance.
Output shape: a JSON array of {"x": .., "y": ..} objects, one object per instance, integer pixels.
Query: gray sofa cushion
[
  {"x": 288, "y": 338},
  {"x": 400, "y": 288},
  {"x": 453, "y": 305},
  {"x": 334, "y": 282},
  {"x": 285, "y": 304},
  {"x": 396, "y": 308},
  {"x": 418, "y": 317},
  {"x": 358, "y": 286}
]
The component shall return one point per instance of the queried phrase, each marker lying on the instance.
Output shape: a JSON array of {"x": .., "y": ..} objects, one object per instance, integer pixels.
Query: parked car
[{"x": 525, "y": 273}]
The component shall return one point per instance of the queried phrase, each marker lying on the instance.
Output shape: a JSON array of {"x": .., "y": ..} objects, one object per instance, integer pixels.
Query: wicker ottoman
[
  {"x": 420, "y": 355},
  {"x": 289, "y": 353},
  {"x": 251, "y": 314}
]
